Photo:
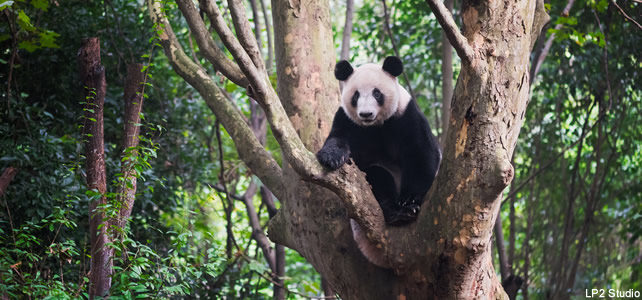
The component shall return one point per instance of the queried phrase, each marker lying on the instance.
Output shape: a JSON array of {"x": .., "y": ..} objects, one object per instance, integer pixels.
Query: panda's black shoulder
[
  {"x": 412, "y": 125},
  {"x": 412, "y": 116}
]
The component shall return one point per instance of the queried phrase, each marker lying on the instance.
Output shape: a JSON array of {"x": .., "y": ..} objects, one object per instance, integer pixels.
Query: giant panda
[{"x": 381, "y": 128}]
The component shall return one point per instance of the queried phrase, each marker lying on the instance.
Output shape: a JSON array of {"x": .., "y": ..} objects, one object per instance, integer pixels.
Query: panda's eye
[
  {"x": 354, "y": 99},
  {"x": 376, "y": 93}
]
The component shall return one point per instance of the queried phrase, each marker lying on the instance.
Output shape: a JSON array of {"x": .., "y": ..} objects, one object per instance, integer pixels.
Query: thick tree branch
[
  {"x": 244, "y": 32},
  {"x": 256, "y": 80},
  {"x": 458, "y": 40},
  {"x": 249, "y": 148},
  {"x": 347, "y": 31},
  {"x": 211, "y": 52},
  {"x": 349, "y": 183},
  {"x": 303, "y": 161}
]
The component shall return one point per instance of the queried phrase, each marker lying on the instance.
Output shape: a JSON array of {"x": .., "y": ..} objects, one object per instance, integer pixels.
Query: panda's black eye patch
[
  {"x": 354, "y": 99},
  {"x": 376, "y": 93}
]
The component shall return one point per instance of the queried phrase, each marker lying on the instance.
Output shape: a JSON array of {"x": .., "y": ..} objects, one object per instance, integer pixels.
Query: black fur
[
  {"x": 404, "y": 141},
  {"x": 343, "y": 70},
  {"x": 392, "y": 65}
]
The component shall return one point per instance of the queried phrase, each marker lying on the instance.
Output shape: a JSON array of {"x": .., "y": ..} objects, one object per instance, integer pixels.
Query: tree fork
[{"x": 446, "y": 253}]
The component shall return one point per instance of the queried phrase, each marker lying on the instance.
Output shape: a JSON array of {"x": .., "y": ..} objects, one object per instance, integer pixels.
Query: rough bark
[
  {"x": 92, "y": 74},
  {"x": 134, "y": 86},
  {"x": 446, "y": 253}
]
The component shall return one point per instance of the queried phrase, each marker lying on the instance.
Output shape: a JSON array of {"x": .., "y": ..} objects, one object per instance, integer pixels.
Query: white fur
[{"x": 365, "y": 79}]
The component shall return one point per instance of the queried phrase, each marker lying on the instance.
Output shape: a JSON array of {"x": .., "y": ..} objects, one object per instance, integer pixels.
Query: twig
[
  {"x": 268, "y": 31},
  {"x": 228, "y": 208},
  {"x": 191, "y": 47},
  {"x": 282, "y": 285},
  {"x": 549, "y": 43},
  {"x": 14, "y": 53},
  {"x": 625, "y": 15},
  {"x": 120, "y": 32},
  {"x": 550, "y": 162},
  {"x": 457, "y": 40},
  {"x": 257, "y": 231},
  {"x": 605, "y": 58},
  {"x": 220, "y": 188}
]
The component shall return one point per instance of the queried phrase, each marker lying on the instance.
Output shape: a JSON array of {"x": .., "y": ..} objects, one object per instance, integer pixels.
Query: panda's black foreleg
[
  {"x": 334, "y": 153},
  {"x": 336, "y": 149}
]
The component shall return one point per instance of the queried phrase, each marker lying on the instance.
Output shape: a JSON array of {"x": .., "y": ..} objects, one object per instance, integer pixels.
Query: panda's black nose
[{"x": 365, "y": 114}]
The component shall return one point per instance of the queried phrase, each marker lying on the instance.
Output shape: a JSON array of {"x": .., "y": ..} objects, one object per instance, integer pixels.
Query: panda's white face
[{"x": 371, "y": 96}]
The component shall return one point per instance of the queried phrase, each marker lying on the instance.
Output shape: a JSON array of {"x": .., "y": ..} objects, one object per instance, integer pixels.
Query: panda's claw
[
  {"x": 407, "y": 213},
  {"x": 332, "y": 158}
]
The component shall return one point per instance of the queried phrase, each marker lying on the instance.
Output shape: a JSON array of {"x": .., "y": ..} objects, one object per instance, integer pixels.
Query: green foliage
[{"x": 26, "y": 35}]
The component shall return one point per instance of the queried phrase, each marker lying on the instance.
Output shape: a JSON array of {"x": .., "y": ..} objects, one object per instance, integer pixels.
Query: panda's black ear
[
  {"x": 343, "y": 70},
  {"x": 393, "y": 65}
]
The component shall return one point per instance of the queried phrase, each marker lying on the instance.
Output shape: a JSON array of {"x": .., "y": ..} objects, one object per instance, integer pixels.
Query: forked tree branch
[
  {"x": 205, "y": 43},
  {"x": 256, "y": 80},
  {"x": 248, "y": 147},
  {"x": 348, "y": 183},
  {"x": 458, "y": 40}
]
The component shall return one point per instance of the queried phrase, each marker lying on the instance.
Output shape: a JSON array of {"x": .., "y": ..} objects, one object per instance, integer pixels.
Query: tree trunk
[
  {"x": 445, "y": 254},
  {"x": 92, "y": 74},
  {"x": 134, "y": 87}
]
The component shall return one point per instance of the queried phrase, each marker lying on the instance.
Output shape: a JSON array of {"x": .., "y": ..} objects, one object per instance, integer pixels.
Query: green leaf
[
  {"x": 25, "y": 22},
  {"x": 27, "y": 45},
  {"x": 40, "y": 4},
  {"x": 48, "y": 39}
]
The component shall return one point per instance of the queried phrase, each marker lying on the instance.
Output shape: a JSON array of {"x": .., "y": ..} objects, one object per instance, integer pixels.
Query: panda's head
[{"x": 371, "y": 93}]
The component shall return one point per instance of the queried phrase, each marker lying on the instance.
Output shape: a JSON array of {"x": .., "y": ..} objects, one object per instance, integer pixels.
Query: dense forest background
[{"x": 570, "y": 220}]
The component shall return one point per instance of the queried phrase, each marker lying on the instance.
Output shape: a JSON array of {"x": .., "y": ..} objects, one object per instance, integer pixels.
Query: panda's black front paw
[{"x": 332, "y": 158}]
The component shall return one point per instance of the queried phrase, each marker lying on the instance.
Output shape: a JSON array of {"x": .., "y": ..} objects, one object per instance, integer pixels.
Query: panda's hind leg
[
  {"x": 385, "y": 191},
  {"x": 403, "y": 214}
]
